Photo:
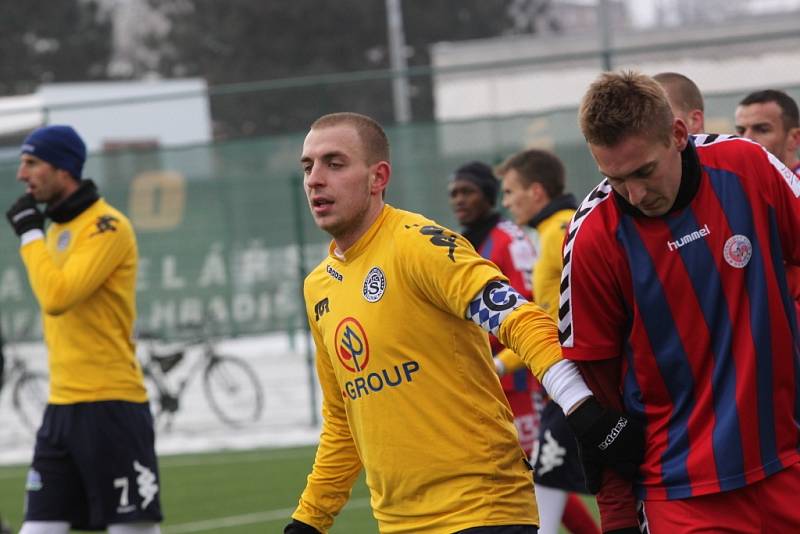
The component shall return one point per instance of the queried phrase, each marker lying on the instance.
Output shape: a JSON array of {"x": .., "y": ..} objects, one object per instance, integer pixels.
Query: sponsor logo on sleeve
[
  {"x": 105, "y": 223},
  {"x": 439, "y": 238}
]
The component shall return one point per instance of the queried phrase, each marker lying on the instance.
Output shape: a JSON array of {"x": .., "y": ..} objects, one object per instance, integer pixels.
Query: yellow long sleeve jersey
[
  {"x": 409, "y": 388},
  {"x": 84, "y": 277},
  {"x": 547, "y": 270},
  {"x": 552, "y": 229}
]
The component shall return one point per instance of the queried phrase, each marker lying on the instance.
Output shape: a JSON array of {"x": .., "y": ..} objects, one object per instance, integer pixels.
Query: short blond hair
[
  {"x": 621, "y": 104},
  {"x": 681, "y": 91},
  {"x": 371, "y": 134}
]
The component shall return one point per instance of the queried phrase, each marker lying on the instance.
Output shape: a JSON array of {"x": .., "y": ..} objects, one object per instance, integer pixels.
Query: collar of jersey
[
  {"x": 690, "y": 183},
  {"x": 363, "y": 242},
  {"x": 75, "y": 204},
  {"x": 562, "y": 202}
]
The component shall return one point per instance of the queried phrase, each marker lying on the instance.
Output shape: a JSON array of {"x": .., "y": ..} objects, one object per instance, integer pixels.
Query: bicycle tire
[
  {"x": 233, "y": 390},
  {"x": 30, "y": 398}
]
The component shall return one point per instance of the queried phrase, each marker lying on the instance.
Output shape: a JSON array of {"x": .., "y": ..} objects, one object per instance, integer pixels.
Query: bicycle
[
  {"x": 29, "y": 390},
  {"x": 231, "y": 385}
]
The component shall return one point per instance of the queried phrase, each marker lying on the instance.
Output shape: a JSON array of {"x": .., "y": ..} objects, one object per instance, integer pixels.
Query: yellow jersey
[
  {"x": 83, "y": 275},
  {"x": 409, "y": 387},
  {"x": 551, "y": 227},
  {"x": 547, "y": 269}
]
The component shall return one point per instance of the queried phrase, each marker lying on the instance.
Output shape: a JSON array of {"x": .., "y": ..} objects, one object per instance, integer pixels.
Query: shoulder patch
[
  {"x": 105, "y": 223},
  {"x": 439, "y": 236}
]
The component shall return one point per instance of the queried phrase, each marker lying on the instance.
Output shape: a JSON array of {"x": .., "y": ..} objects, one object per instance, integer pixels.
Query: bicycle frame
[
  {"x": 173, "y": 393},
  {"x": 27, "y": 389},
  {"x": 230, "y": 384}
]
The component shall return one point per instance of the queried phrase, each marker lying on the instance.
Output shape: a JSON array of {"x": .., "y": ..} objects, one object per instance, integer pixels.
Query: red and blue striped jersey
[{"x": 696, "y": 304}]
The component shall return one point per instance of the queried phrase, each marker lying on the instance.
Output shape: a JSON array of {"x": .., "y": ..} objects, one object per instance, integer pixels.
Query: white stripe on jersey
[
  {"x": 592, "y": 200},
  {"x": 712, "y": 139},
  {"x": 791, "y": 179}
]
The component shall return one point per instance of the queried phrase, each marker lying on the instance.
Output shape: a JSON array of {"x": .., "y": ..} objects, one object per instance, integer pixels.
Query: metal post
[
  {"x": 397, "y": 60},
  {"x": 604, "y": 27},
  {"x": 299, "y": 209}
]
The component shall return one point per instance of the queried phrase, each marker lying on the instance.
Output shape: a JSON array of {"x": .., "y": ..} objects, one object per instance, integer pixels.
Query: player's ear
[
  {"x": 680, "y": 133},
  {"x": 793, "y": 139},
  {"x": 380, "y": 175},
  {"x": 537, "y": 190}
]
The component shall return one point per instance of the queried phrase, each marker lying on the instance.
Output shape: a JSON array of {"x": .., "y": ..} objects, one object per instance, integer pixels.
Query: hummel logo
[{"x": 688, "y": 238}]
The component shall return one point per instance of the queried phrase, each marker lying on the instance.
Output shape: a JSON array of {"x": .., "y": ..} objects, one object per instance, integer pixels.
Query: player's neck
[{"x": 347, "y": 239}]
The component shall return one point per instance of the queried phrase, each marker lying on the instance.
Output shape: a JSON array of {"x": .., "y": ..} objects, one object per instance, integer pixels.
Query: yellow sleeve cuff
[{"x": 533, "y": 335}]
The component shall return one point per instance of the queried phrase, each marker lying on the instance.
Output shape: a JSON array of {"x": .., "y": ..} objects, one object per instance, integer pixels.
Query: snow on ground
[{"x": 285, "y": 421}]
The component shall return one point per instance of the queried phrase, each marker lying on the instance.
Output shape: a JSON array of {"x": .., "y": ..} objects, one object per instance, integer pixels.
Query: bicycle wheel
[
  {"x": 30, "y": 398},
  {"x": 233, "y": 390}
]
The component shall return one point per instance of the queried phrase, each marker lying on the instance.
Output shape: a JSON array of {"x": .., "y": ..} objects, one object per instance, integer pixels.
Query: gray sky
[{"x": 643, "y": 11}]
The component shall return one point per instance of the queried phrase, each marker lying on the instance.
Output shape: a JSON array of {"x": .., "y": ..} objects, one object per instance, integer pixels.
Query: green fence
[{"x": 224, "y": 230}]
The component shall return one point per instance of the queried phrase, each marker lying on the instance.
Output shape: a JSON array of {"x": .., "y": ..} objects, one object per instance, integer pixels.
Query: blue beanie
[{"x": 60, "y": 146}]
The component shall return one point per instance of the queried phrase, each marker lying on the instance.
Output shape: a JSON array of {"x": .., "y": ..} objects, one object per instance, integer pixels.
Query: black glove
[
  {"x": 24, "y": 215},
  {"x": 298, "y": 527},
  {"x": 606, "y": 438}
]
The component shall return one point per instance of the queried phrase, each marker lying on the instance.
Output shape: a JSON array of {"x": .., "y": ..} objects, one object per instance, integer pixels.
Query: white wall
[
  {"x": 152, "y": 117},
  {"x": 506, "y": 93},
  {"x": 554, "y": 71}
]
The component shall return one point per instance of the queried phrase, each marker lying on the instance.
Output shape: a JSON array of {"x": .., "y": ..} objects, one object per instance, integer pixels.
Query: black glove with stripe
[
  {"x": 24, "y": 215},
  {"x": 606, "y": 438}
]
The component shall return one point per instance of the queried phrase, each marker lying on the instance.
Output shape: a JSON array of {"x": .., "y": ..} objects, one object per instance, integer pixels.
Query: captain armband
[{"x": 493, "y": 304}]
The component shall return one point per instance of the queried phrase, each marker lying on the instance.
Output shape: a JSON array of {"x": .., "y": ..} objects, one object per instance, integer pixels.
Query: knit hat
[
  {"x": 60, "y": 146},
  {"x": 481, "y": 175}
]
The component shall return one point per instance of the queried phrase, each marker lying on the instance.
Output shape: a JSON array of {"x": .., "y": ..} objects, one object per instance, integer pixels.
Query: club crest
[
  {"x": 737, "y": 251},
  {"x": 374, "y": 285}
]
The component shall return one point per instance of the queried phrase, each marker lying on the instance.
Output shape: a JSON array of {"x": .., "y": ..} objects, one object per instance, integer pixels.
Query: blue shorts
[
  {"x": 94, "y": 464},
  {"x": 556, "y": 463}
]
